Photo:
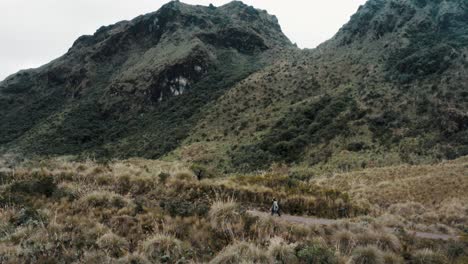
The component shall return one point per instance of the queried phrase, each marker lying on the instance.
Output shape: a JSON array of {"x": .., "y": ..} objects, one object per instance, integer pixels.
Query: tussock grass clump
[
  {"x": 281, "y": 251},
  {"x": 367, "y": 255},
  {"x": 344, "y": 241},
  {"x": 265, "y": 228},
  {"x": 392, "y": 258},
  {"x": 163, "y": 248},
  {"x": 242, "y": 252},
  {"x": 104, "y": 199},
  {"x": 427, "y": 256},
  {"x": 113, "y": 244},
  {"x": 226, "y": 217},
  {"x": 388, "y": 242}
]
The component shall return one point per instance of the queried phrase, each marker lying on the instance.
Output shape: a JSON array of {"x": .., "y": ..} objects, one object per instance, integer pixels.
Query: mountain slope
[
  {"x": 390, "y": 87},
  {"x": 134, "y": 88},
  {"x": 224, "y": 87}
]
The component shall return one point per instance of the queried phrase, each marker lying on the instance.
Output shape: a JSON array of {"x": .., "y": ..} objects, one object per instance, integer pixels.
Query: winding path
[{"x": 323, "y": 221}]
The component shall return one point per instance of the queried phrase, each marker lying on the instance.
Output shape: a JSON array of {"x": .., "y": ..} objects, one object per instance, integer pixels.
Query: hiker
[
  {"x": 343, "y": 212},
  {"x": 275, "y": 208}
]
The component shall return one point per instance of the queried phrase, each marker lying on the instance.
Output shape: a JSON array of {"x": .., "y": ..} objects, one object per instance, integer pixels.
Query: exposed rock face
[{"x": 224, "y": 86}]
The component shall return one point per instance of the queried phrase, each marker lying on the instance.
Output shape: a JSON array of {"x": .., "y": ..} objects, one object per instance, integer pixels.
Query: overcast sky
[{"x": 34, "y": 32}]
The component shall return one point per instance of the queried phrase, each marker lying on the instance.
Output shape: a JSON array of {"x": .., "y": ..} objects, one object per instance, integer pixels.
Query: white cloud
[{"x": 34, "y": 32}]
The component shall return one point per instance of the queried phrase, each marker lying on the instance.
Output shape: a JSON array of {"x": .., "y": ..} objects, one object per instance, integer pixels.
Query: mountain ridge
[{"x": 223, "y": 86}]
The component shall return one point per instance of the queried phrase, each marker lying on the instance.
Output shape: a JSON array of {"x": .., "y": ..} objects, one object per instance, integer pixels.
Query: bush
[
  {"x": 367, "y": 255},
  {"x": 114, "y": 245},
  {"x": 241, "y": 252},
  {"x": 457, "y": 249},
  {"x": 163, "y": 176},
  {"x": 177, "y": 206},
  {"x": 316, "y": 253},
  {"x": 202, "y": 172},
  {"x": 163, "y": 248},
  {"x": 42, "y": 186}
]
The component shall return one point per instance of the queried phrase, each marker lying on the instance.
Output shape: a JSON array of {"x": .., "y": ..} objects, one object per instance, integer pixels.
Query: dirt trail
[{"x": 323, "y": 221}]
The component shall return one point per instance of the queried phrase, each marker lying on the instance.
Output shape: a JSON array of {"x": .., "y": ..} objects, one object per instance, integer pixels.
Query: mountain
[
  {"x": 223, "y": 86},
  {"x": 135, "y": 88}
]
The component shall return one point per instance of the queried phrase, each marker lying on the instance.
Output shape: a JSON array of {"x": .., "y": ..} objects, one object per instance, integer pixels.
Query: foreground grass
[{"x": 141, "y": 211}]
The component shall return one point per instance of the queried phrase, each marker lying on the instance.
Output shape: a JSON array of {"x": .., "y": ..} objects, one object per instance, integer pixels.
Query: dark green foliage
[
  {"x": 456, "y": 249},
  {"x": 314, "y": 123},
  {"x": 163, "y": 176},
  {"x": 27, "y": 216},
  {"x": 180, "y": 207},
  {"x": 356, "y": 146},
  {"x": 39, "y": 186},
  {"x": 435, "y": 44},
  {"x": 316, "y": 254},
  {"x": 202, "y": 172}
]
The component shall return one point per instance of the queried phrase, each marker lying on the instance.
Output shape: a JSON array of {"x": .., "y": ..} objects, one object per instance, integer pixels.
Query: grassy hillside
[
  {"x": 143, "y": 211},
  {"x": 389, "y": 88}
]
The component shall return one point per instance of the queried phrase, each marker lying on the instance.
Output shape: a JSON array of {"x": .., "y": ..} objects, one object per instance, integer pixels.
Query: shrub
[
  {"x": 456, "y": 249},
  {"x": 316, "y": 253},
  {"x": 241, "y": 252},
  {"x": 225, "y": 217},
  {"x": 367, "y": 255},
  {"x": 281, "y": 251},
  {"x": 104, "y": 199},
  {"x": 392, "y": 258},
  {"x": 177, "y": 206},
  {"x": 202, "y": 172},
  {"x": 162, "y": 247},
  {"x": 43, "y": 186},
  {"x": 114, "y": 245},
  {"x": 427, "y": 256},
  {"x": 163, "y": 176}
]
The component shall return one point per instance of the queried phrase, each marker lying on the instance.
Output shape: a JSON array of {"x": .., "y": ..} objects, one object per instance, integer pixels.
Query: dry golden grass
[
  {"x": 425, "y": 194},
  {"x": 281, "y": 251},
  {"x": 61, "y": 211},
  {"x": 226, "y": 217},
  {"x": 242, "y": 252},
  {"x": 425, "y": 184},
  {"x": 367, "y": 255}
]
